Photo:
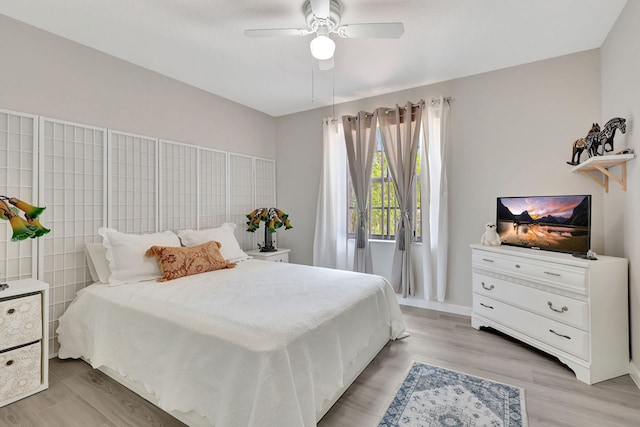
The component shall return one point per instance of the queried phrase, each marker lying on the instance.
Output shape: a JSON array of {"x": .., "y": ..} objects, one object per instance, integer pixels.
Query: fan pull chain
[{"x": 313, "y": 98}]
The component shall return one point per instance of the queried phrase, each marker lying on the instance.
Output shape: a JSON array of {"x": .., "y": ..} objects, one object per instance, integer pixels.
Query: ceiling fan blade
[
  {"x": 321, "y": 8},
  {"x": 326, "y": 64},
  {"x": 276, "y": 32},
  {"x": 386, "y": 30}
]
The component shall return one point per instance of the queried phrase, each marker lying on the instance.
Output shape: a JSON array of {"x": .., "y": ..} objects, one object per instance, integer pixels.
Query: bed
[{"x": 261, "y": 344}]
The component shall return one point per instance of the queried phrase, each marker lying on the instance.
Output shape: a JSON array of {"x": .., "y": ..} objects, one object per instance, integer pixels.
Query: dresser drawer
[
  {"x": 20, "y": 371},
  {"x": 558, "y": 335},
  {"x": 558, "y": 275},
  {"x": 20, "y": 320},
  {"x": 557, "y": 307}
]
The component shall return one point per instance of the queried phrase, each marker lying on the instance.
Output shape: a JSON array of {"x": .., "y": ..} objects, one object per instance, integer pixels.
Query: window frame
[{"x": 389, "y": 209}]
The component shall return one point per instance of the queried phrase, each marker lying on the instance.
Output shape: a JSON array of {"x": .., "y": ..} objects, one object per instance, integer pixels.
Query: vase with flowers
[{"x": 273, "y": 218}]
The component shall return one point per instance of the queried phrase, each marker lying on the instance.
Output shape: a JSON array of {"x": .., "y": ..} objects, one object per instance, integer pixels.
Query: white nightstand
[
  {"x": 281, "y": 255},
  {"x": 24, "y": 340}
]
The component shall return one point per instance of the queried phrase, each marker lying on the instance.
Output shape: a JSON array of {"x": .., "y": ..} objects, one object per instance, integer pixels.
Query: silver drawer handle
[
  {"x": 562, "y": 310},
  {"x": 487, "y": 259},
  {"x": 490, "y": 287},
  {"x": 560, "y": 335},
  {"x": 551, "y": 274},
  {"x": 485, "y": 305},
  {"x": 11, "y": 311}
]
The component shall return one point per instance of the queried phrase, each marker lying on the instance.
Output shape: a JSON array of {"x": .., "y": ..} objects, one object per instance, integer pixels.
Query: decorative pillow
[
  {"x": 224, "y": 234},
  {"x": 178, "y": 262},
  {"x": 97, "y": 261},
  {"x": 125, "y": 253}
]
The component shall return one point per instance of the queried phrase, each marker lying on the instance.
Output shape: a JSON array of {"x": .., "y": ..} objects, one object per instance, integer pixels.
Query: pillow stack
[{"x": 122, "y": 258}]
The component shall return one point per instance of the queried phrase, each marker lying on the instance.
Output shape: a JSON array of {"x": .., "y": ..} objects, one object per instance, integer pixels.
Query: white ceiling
[{"x": 201, "y": 42}]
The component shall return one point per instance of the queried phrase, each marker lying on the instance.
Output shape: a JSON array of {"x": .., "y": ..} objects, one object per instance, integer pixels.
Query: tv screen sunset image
[{"x": 557, "y": 223}]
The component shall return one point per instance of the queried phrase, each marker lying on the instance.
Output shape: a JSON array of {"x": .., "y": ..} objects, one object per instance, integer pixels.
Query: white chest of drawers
[
  {"x": 571, "y": 308},
  {"x": 23, "y": 340}
]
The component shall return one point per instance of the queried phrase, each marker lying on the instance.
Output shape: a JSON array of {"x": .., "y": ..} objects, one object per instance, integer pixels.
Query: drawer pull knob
[
  {"x": 9, "y": 362},
  {"x": 562, "y": 310},
  {"x": 517, "y": 265},
  {"x": 487, "y": 259},
  {"x": 485, "y": 305},
  {"x": 11, "y": 311},
  {"x": 490, "y": 287},
  {"x": 552, "y": 274},
  {"x": 560, "y": 335}
]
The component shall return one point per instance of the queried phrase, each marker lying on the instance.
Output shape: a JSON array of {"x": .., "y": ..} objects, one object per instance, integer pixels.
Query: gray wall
[
  {"x": 51, "y": 76},
  {"x": 511, "y": 134},
  {"x": 511, "y": 129},
  {"x": 621, "y": 98}
]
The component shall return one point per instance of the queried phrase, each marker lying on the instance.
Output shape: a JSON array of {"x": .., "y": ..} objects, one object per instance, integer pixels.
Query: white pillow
[
  {"x": 224, "y": 234},
  {"x": 126, "y": 254},
  {"x": 97, "y": 261}
]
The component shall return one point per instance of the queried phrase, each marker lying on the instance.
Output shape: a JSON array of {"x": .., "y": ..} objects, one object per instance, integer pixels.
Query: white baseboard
[
  {"x": 434, "y": 305},
  {"x": 634, "y": 371}
]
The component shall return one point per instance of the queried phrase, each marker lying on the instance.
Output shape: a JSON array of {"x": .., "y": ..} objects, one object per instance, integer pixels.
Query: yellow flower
[
  {"x": 29, "y": 210},
  {"x": 40, "y": 230}
]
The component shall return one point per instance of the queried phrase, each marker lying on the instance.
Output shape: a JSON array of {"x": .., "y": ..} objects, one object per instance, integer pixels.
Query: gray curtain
[
  {"x": 400, "y": 127},
  {"x": 360, "y": 138}
]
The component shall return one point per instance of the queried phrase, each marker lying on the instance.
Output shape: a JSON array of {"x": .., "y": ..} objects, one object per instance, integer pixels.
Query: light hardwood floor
[{"x": 81, "y": 396}]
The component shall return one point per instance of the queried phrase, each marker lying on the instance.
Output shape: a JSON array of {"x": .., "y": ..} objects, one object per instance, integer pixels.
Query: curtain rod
[
  {"x": 437, "y": 100},
  {"x": 404, "y": 108},
  {"x": 433, "y": 101},
  {"x": 366, "y": 114}
]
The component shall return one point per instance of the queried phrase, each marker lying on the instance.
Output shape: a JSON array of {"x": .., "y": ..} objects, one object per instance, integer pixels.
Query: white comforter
[{"x": 264, "y": 344}]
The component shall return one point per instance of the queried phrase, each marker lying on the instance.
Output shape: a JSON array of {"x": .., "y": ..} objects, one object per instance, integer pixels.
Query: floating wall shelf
[{"x": 602, "y": 164}]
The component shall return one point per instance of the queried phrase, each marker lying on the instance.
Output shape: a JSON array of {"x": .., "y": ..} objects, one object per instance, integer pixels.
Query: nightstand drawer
[
  {"x": 20, "y": 320},
  {"x": 278, "y": 258},
  {"x": 20, "y": 371},
  {"x": 280, "y": 255}
]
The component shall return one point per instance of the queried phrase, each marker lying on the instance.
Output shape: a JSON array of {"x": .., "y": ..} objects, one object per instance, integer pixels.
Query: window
[{"x": 383, "y": 206}]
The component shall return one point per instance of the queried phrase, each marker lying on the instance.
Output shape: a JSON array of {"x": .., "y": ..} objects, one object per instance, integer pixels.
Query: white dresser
[
  {"x": 24, "y": 360},
  {"x": 280, "y": 255},
  {"x": 571, "y": 308}
]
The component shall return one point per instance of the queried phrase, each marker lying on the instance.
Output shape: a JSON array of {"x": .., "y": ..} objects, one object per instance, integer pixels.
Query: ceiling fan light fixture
[{"x": 322, "y": 47}]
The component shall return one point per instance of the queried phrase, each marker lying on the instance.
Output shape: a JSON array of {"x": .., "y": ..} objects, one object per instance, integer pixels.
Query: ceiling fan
[{"x": 323, "y": 18}]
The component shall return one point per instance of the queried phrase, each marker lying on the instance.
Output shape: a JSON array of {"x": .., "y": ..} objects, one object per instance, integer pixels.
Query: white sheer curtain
[
  {"x": 330, "y": 239},
  {"x": 400, "y": 128},
  {"x": 434, "y": 193},
  {"x": 360, "y": 138}
]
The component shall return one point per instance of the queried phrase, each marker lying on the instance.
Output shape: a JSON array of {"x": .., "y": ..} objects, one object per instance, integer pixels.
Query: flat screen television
[{"x": 553, "y": 223}]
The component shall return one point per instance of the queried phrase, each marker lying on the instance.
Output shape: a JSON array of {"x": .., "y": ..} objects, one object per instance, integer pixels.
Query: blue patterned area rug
[{"x": 437, "y": 397}]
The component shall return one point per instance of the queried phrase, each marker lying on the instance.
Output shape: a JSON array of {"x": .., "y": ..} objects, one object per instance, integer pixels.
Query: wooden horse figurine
[
  {"x": 579, "y": 145},
  {"x": 604, "y": 137}
]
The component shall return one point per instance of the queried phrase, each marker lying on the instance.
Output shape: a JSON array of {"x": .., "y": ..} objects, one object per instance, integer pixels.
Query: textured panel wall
[
  {"x": 88, "y": 177},
  {"x": 18, "y": 140},
  {"x": 73, "y": 167}
]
